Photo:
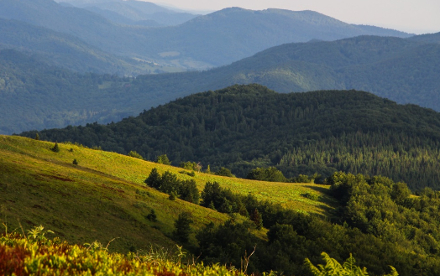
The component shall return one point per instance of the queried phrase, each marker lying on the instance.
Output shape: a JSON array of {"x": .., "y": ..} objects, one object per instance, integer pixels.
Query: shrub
[
  {"x": 163, "y": 159},
  {"x": 152, "y": 216},
  {"x": 134, "y": 154},
  {"x": 225, "y": 172}
]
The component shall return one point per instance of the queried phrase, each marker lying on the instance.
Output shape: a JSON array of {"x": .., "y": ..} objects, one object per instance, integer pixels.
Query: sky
[{"x": 413, "y": 16}]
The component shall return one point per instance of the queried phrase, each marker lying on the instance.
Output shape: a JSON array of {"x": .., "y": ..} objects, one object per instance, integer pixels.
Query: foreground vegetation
[
  {"x": 104, "y": 197},
  {"x": 35, "y": 254}
]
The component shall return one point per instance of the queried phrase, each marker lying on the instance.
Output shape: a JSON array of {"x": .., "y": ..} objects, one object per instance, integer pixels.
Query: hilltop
[{"x": 244, "y": 127}]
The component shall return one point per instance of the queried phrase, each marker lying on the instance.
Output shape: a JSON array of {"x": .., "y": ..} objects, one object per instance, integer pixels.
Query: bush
[
  {"x": 225, "y": 172},
  {"x": 163, "y": 159},
  {"x": 152, "y": 216},
  {"x": 271, "y": 174},
  {"x": 75, "y": 162},
  {"x": 134, "y": 154}
]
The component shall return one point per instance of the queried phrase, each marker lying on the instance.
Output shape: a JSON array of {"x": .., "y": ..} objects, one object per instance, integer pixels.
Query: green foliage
[
  {"x": 152, "y": 216},
  {"x": 208, "y": 169},
  {"x": 154, "y": 179},
  {"x": 135, "y": 155},
  {"x": 182, "y": 227},
  {"x": 271, "y": 174},
  {"x": 224, "y": 172},
  {"x": 333, "y": 267},
  {"x": 257, "y": 219},
  {"x": 37, "y": 136},
  {"x": 226, "y": 243},
  {"x": 55, "y": 148},
  {"x": 311, "y": 196},
  {"x": 41, "y": 256},
  {"x": 301, "y": 178},
  {"x": 172, "y": 196},
  {"x": 170, "y": 184},
  {"x": 245, "y": 127},
  {"x": 191, "y": 166},
  {"x": 75, "y": 162},
  {"x": 163, "y": 159}
]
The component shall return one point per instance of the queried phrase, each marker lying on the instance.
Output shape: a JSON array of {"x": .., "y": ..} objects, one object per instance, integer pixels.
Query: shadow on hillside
[
  {"x": 330, "y": 203},
  {"x": 318, "y": 189}
]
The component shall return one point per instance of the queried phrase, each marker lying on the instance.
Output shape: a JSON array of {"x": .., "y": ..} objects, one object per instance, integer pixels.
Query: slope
[
  {"x": 104, "y": 197},
  {"x": 243, "y": 127}
]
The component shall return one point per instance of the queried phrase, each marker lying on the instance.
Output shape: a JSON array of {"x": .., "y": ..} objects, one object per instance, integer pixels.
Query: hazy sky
[{"x": 416, "y": 16}]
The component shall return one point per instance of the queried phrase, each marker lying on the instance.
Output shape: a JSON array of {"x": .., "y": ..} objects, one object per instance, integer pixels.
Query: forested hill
[
  {"x": 243, "y": 127},
  {"x": 403, "y": 70}
]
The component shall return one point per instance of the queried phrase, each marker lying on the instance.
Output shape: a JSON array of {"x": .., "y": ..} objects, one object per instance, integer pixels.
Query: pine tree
[
  {"x": 183, "y": 227},
  {"x": 257, "y": 219},
  {"x": 154, "y": 180},
  {"x": 55, "y": 147}
]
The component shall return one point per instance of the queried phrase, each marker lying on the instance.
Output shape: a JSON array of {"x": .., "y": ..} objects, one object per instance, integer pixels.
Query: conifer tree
[
  {"x": 154, "y": 180},
  {"x": 55, "y": 147},
  {"x": 183, "y": 227},
  {"x": 257, "y": 219}
]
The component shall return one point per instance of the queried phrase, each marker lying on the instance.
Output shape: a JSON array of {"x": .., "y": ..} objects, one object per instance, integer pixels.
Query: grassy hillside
[
  {"x": 104, "y": 197},
  {"x": 243, "y": 127}
]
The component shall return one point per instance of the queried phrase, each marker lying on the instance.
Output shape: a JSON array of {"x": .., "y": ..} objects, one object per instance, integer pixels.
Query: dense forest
[
  {"x": 245, "y": 127},
  {"x": 377, "y": 220}
]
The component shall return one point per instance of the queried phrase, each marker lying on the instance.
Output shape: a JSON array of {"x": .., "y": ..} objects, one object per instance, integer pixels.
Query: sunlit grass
[{"x": 104, "y": 196}]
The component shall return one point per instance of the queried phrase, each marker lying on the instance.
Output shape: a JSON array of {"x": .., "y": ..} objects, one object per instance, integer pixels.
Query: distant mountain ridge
[
  {"x": 134, "y": 12},
  {"x": 66, "y": 51},
  {"x": 206, "y": 41}
]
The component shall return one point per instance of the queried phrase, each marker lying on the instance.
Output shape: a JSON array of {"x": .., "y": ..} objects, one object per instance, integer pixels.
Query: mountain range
[
  {"x": 210, "y": 40},
  {"x": 403, "y": 70},
  {"x": 133, "y": 12}
]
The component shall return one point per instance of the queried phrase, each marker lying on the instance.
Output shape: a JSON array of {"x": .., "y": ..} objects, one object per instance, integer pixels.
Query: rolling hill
[
  {"x": 104, "y": 196},
  {"x": 244, "y": 127}
]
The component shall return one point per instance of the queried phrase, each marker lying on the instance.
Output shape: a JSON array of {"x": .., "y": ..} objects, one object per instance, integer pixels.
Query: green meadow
[{"x": 104, "y": 197}]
